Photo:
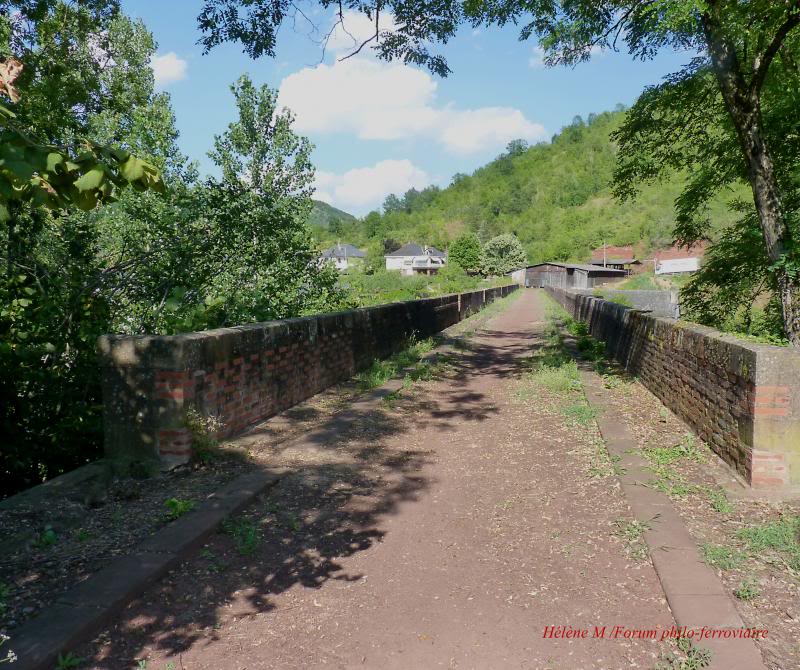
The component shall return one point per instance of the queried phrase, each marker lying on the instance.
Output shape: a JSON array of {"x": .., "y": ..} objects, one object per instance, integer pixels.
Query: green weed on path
[
  {"x": 176, "y": 508},
  {"x": 554, "y": 372},
  {"x": 685, "y": 656},
  {"x": 747, "y": 590},
  {"x": 718, "y": 500},
  {"x": 722, "y": 557},
  {"x": 68, "y": 661},
  {"x": 245, "y": 533},
  {"x": 383, "y": 370},
  {"x": 779, "y": 540},
  {"x": 580, "y": 413},
  {"x": 631, "y": 532},
  {"x": 685, "y": 449},
  {"x": 604, "y": 464}
]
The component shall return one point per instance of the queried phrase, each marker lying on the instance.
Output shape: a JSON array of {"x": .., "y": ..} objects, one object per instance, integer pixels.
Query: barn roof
[
  {"x": 578, "y": 266},
  {"x": 613, "y": 261}
]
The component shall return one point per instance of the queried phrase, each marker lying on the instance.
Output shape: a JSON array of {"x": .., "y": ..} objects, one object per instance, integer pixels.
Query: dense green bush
[
  {"x": 467, "y": 252},
  {"x": 384, "y": 286},
  {"x": 202, "y": 254},
  {"x": 503, "y": 254}
]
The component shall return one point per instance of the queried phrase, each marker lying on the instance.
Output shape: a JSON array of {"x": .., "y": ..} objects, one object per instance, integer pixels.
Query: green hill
[
  {"x": 323, "y": 215},
  {"x": 555, "y": 197}
]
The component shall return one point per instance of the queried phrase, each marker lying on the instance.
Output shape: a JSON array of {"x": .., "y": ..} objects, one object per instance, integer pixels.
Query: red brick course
[
  {"x": 244, "y": 375},
  {"x": 734, "y": 394}
]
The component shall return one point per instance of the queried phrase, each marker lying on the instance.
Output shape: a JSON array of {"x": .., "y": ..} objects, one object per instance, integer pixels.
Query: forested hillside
[
  {"x": 555, "y": 197},
  {"x": 328, "y": 217}
]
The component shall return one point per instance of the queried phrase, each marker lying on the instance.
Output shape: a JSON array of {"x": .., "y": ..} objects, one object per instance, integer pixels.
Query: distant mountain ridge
[{"x": 323, "y": 215}]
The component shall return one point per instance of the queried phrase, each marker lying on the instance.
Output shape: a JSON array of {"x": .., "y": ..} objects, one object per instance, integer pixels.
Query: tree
[
  {"x": 81, "y": 59},
  {"x": 54, "y": 171},
  {"x": 742, "y": 46},
  {"x": 58, "y": 177},
  {"x": 516, "y": 147},
  {"x": 372, "y": 224},
  {"x": 735, "y": 272},
  {"x": 502, "y": 254},
  {"x": 392, "y": 204},
  {"x": 259, "y": 261},
  {"x": 467, "y": 253}
]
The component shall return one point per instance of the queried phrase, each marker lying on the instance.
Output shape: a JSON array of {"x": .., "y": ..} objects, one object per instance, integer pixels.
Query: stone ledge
[
  {"x": 86, "y": 608},
  {"x": 695, "y": 594},
  {"x": 246, "y": 374}
]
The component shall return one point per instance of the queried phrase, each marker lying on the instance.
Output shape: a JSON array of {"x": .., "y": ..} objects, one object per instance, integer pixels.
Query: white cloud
[
  {"x": 473, "y": 130},
  {"x": 389, "y": 101},
  {"x": 361, "y": 189},
  {"x": 168, "y": 68}
]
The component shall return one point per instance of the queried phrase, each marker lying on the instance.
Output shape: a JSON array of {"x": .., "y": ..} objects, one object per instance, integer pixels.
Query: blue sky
[{"x": 380, "y": 128}]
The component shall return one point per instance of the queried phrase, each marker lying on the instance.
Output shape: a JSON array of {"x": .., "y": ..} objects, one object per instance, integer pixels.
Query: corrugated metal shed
[{"x": 570, "y": 275}]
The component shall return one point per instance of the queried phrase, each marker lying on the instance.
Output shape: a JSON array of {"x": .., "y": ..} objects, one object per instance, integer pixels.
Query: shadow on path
[{"x": 327, "y": 508}]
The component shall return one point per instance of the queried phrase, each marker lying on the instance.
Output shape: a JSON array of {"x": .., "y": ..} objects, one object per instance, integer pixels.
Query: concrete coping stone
[
  {"x": 181, "y": 351},
  {"x": 87, "y": 607},
  {"x": 695, "y": 594}
]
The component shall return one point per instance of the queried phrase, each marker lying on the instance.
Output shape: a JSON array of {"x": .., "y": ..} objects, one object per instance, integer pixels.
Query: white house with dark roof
[
  {"x": 412, "y": 259},
  {"x": 343, "y": 256}
]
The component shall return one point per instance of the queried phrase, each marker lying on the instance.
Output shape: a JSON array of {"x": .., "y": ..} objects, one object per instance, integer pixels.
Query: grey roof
[
  {"x": 414, "y": 249},
  {"x": 343, "y": 251},
  {"x": 578, "y": 266}
]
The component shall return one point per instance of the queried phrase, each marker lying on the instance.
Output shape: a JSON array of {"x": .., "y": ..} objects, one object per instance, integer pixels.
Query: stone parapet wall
[
  {"x": 246, "y": 374},
  {"x": 658, "y": 303},
  {"x": 742, "y": 398}
]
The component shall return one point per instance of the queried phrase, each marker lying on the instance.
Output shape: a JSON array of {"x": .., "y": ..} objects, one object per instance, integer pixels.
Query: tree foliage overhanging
[
  {"x": 188, "y": 254},
  {"x": 741, "y": 87}
]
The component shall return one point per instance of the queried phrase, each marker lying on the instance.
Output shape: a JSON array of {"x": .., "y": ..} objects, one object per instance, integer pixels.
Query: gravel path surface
[{"x": 448, "y": 529}]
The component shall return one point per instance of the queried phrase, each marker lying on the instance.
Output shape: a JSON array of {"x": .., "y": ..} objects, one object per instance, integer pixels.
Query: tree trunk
[{"x": 744, "y": 108}]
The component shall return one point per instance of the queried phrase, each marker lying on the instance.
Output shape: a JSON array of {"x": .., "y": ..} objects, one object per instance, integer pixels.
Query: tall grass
[{"x": 382, "y": 371}]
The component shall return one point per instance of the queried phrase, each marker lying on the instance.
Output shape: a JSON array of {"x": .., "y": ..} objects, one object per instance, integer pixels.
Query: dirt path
[{"x": 447, "y": 530}]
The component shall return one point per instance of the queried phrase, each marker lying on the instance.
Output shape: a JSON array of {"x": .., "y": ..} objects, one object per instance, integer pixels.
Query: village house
[
  {"x": 343, "y": 256},
  {"x": 679, "y": 260},
  {"x": 413, "y": 259}
]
